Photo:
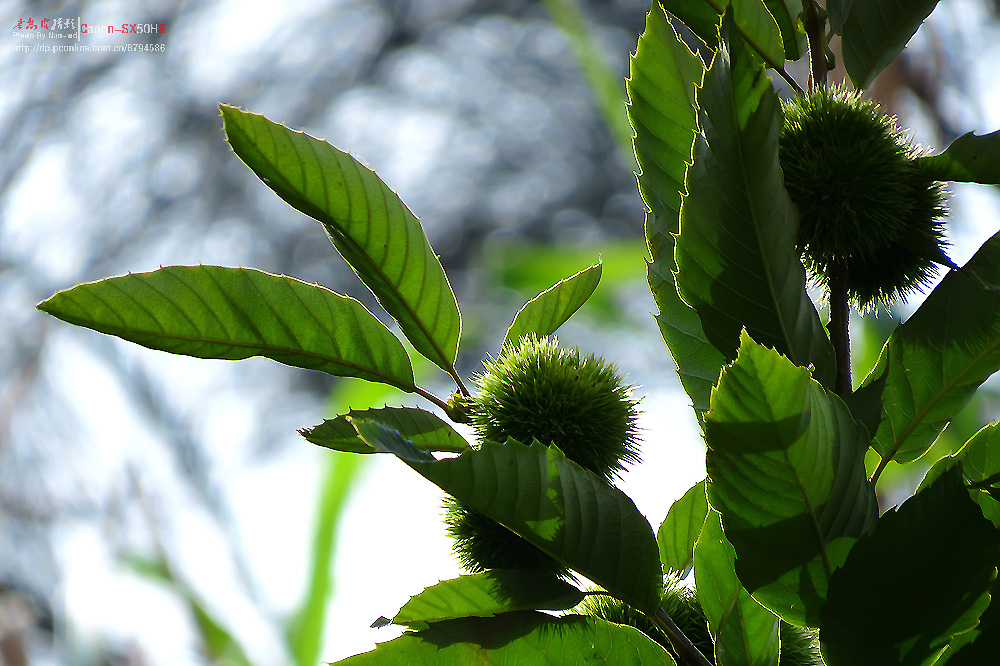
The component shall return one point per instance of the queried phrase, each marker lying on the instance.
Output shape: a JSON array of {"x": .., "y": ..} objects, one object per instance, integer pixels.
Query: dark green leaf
[
  {"x": 839, "y": 10},
  {"x": 786, "y": 15},
  {"x": 939, "y": 356},
  {"x": 563, "y": 509},
  {"x": 875, "y": 32},
  {"x": 980, "y": 459},
  {"x": 523, "y": 637},
  {"x": 661, "y": 92},
  {"x": 786, "y": 470},
  {"x": 969, "y": 159},
  {"x": 702, "y": 18},
  {"x": 745, "y": 633},
  {"x": 986, "y": 639},
  {"x": 768, "y": 26},
  {"x": 922, "y": 576},
  {"x": 546, "y": 312},
  {"x": 485, "y": 595},
  {"x": 758, "y": 28},
  {"x": 425, "y": 430},
  {"x": 374, "y": 231},
  {"x": 737, "y": 263},
  {"x": 236, "y": 313},
  {"x": 680, "y": 529}
]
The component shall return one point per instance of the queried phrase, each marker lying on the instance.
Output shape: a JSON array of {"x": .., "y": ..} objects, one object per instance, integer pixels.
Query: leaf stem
[
  {"x": 840, "y": 336},
  {"x": 813, "y": 25},
  {"x": 685, "y": 649},
  {"x": 427, "y": 395}
]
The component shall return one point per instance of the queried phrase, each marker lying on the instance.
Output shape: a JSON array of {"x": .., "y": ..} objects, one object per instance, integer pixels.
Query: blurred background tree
[{"x": 163, "y": 510}]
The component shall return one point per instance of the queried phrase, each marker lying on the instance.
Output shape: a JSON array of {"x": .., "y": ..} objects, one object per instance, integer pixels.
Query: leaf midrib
[
  {"x": 118, "y": 330},
  {"x": 327, "y": 220}
]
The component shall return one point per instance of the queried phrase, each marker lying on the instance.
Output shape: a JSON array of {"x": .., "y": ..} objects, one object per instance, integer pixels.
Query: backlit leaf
[
  {"x": 679, "y": 531},
  {"x": 661, "y": 90},
  {"x": 937, "y": 359},
  {"x": 546, "y": 312},
  {"x": 745, "y": 633},
  {"x": 236, "y": 313},
  {"x": 736, "y": 257},
  {"x": 563, "y": 509},
  {"x": 374, "y": 231},
  {"x": 523, "y": 637},
  {"x": 425, "y": 430},
  {"x": 786, "y": 470},
  {"x": 485, "y": 595}
]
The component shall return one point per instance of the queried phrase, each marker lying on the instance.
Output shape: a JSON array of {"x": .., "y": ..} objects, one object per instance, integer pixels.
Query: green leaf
[
  {"x": 768, "y": 26},
  {"x": 306, "y": 629},
  {"x": 924, "y": 576},
  {"x": 839, "y": 10},
  {"x": 736, "y": 257},
  {"x": 745, "y": 633},
  {"x": 563, "y": 509},
  {"x": 758, "y": 28},
  {"x": 485, "y": 595},
  {"x": 425, "y": 430},
  {"x": 786, "y": 15},
  {"x": 937, "y": 359},
  {"x": 546, "y": 312},
  {"x": 980, "y": 459},
  {"x": 786, "y": 470},
  {"x": 679, "y": 531},
  {"x": 236, "y": 313},
  {"x": 986, "y": 639},
  {"x": 374, "y": 231},
  {"x": 701, "y": 17},
  {"x": 661, "y": 90},
  {"x": 875, "y": 32},
  {"x": 523, "y": 637},
  {"x": 969, "y": 159}
]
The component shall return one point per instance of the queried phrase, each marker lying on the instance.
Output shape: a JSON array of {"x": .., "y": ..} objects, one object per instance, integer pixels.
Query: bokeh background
[{"x": 162, "y": 510}]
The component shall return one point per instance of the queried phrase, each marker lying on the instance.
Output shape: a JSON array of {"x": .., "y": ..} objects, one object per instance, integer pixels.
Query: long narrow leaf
[
  {"x": 524, "y": 637},
  {"x": 236, "y": 313},
  {"x": 561, "y": 508},
  {"x": 546, "y": 312},
  {"x": 306, "y": 629},
  {"x": 786, "y": 470},
  {"x": 661, "y": 91},
  {"x": 736, "y": 258},
  {"x": 745, "y": 633},
  {"x": 374, "y": 231},
  {"x": 425, "y": 430},
  {"x": 875, "y": 32},
  {"x": 935, "y": 361}
]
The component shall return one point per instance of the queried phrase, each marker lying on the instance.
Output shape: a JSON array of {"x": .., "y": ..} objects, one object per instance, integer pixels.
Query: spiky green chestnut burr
[
  {"x": 537, "y": 390},
  {"x": 862, "y": 203}
]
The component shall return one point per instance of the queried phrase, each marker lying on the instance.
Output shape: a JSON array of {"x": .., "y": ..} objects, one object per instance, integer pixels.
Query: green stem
[
  {"x": 814, "y": 25},
  {"x": 685, "y": 649}
]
